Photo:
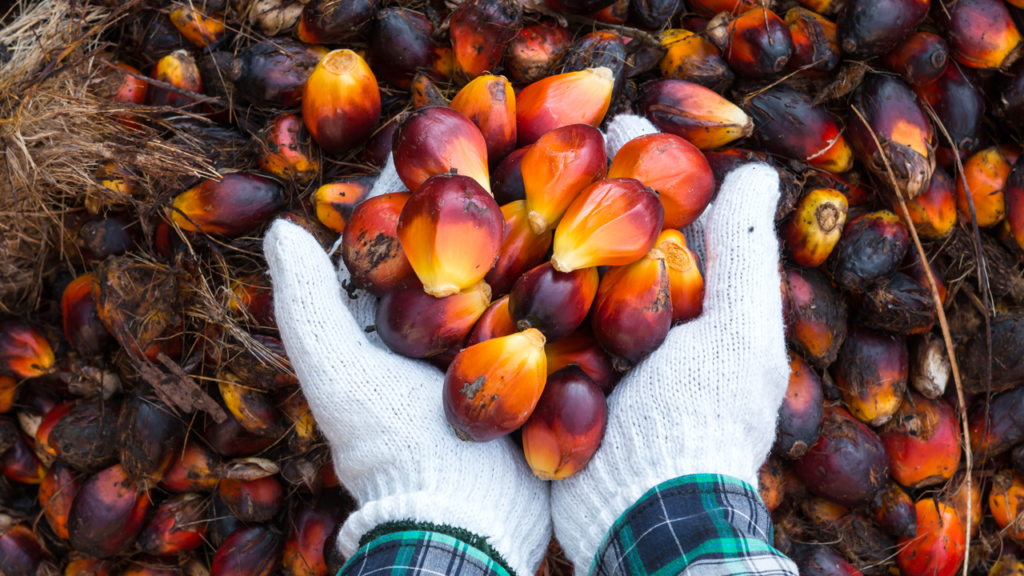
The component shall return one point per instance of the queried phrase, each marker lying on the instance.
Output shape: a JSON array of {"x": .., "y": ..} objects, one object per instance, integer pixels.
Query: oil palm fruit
[
  {"x": 433, "y": 140},
  {"x": 274, "y": 74},
  {"x": 8, "y": 391},
  {"x": 535, "y": 49},
  {"x": 690, "y": 57},
  {"x": 581, "y": 348},
  {"x": 251, "y": 297},
  {"x": 693, "y": 112},
  {"x": 24, "y": 352},
  {"x": 507, "y": 179},
  {"x": 571, "y": 98},
  {"x": 815, "y": 315},
  {"x": 934, "y": 211},
  {"x": 993, "y": 425},
  {"x": 567, "y": 425},
  {"x": 757, "y": 43},
  {"x": 490, "y": 103},
  {"x": 194, "y": 468},
  {"x": 711, "y": 8},
  {"x": 788, "y": 124},
  {"x": 494, "y": 323},
  {"x": 377, "y": 151},
  {"x": 418, "y": 325},
  {"x": 920, "y": 58},
  {"x": 125, "y": 85},
  {"x": 554, "y": 302},
  {"x": 256, "y": 500},
  {"x": 686, "y": 285},
  {"x": 86, "y": 437},
  {"x": 814, "y": 228},
  {"x": 491, "y": 388},
  {"x": 42, "y": 434},
  {"x": 229, "y": 438},
  {"x": 599, "y": 49},
  {"x": 939, "y": 547},
  {"x": 248, "y": 551},
  {"x": 815, "y": 42},
  {"x": 303, "y": 433},
  {"x": 981, "y": 33},
  {"x": 871, "y": 248},
  {"x": 402, "y": 44},
  {"x": 82, "y": 326},
  {"x": 986, "y": 173},
  {"x": 581, "y": 7},
  {"x": 521, "y": 249},
  {"x": 335, "y": 202},
  {"x": 451, "y": 230},
  {"x": 370, "y": 248},
  {"x": 178, "y": 525},
  {"x": 480, "y": 30},
  {"x": 179, "y": 70},
  {"x": 56, "y": 494},
  {"x": 869, "y": 29},
  {"x": 611, "y": 223},
  {"x": 20, "y": 464},
  {"x": 425, "y": 92},
  {"x": 959, "y": 104},
  {"x": 107, "y": 514},
  {"x": 230, "y": 206},
  {"x": 871, "y": 374},
  {"x": 117, "y": 178},
  {"x": 801, "y": 411},
  {"x": 149, "y": 434},
  {"x": 287, "y": 150},
  {"x": 894, "y": 511},
  {"x": 770, "y": 483},
  {"x": 307, "y": 543},
  {"x": 252, "y": 407},
  {"x": 327, "y": 22},
  {"x": 204, "y": 31},
  {"x": 923, "y": 442},
  {"x": 20, "y": 550},
  {"x": 557, "y": 168},
  {"x": 1004, "y": 502},
  {"x": 1007, "y": 353},
  {"x": 341, "y": 102},
  {"x": 822, "y": 561},
  {"x": 1013, "y": 194}
]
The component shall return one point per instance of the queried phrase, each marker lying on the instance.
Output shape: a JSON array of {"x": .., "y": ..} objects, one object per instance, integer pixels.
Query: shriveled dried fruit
[
  {"x": 86, "y": 437},
  {"x": 179, "y": 70},
  {"x": 252, "y": 407},
  {"x": 274, "y": 73}
]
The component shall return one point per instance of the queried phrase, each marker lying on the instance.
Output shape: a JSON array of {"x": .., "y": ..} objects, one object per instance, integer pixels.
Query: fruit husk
[{"x": 898, "y": 304}]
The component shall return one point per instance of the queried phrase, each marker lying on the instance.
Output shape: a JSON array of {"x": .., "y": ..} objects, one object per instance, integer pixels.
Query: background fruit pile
[{"x": 149, "y": 419}]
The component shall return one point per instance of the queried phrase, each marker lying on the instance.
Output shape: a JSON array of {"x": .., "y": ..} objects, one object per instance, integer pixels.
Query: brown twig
[{"x": 645, "y": 37}]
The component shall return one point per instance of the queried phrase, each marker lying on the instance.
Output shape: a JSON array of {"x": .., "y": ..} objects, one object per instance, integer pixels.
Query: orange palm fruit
[
  {"x": 894, "y": 511},
  {"x": 20, "y": 464},
  {"x": 124, "y": 88},
  {"x": 711, "y": 8},
  {"x": 633, "y": 309},
  {"x": 491, "y": 388},
  {"x": 521, "y": 249},
  {"x": 21, "y": 553},
  {"x": 117, "y": 178},
  {"x": 370, "y": 248},
  {"x": 923, "y": 442},
  {"x": 8, "y": 390},
  {"x": 107, "y": 514},
  {"x": 673, "y": 167},
  {"x": 981, "y": 33},
  {"x": 273, "y": 74},
  {"x": 934, "y": 211},
  {"x": 939, "y": 547},
  {"x": 870, "y": 28},
  {"x": 335, "y": 202},
  {"x": 178, "y": 525},
  {"x": 993, "y": 425},
  {"x": 571, "y": 98},
  {"x": 24, "y": 352},
  {"x": 757, "y": 43},
  {"x": 686, "y": 285},
  {"x": 920, "y": 58},
  {"x": 801, "y": 410},
  {"x": 1014, "y": 197},
  {"x": 418, "y": 325},
  {"x": 1004, "y": 501},
  {"x": 287, "y": 151},
  {"x": 230, "y": 206},
  {"x": 50, "y": 419},
  {"x": 812, "y": 230},
  {"x": 435, "y": 140},
  {"x": 341, "y": 102},
  {"x": 252, "y": 407},
  {"x": 252, "y": 297},
  {"x": 611, "y": 223},
  {"x": 581, "y": 348},
  {"x": 402, "y": 44},
  {"x": 82, "y": 326},
  {"x": 871, "y": 374},
  {"x": 693, "y": 112},
  {"x": 194, "y": 469},
  {"x": 451, "y": 230},
  {"x": 788, "y": 124},
  {"x": 986, "y": 173},
  {"x": 556, "y": 303},
  {"x": 327, "y": 22},
  {"x": 691, "y": 58},
  {"x": 179, "y": 70},
  {"x": 303, "y": 433},
  {"x": 770, "y": 483},
  {"x": 535, "y": 49},
  {"x": 88, "y": 567},
  {"x": 253, "y": 500},
  {"x": 567, "y": 425},
  {"x": 490, "y": 103},
  {"x": 480, "y": 30},
  {"x": 198, "y": 28},
  {"x": 308, "y": 542},
  {"x": 494, "y": 323},
  {"x": 248, "y": 551},
  {"x": 557, "y": 168},
  {"x": 815, "y": 42},
  {"x": 425, "y": 92},
  {"x": 815, "y": 315}
]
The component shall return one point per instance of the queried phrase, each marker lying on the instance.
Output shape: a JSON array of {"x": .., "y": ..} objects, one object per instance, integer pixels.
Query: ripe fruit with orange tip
[
  {"x": 770, "y": 483},
  {"x": 815, "y": 42},
  {"x": 24, "y": 352},
  {"x": 202, "y": 30},
  {"x": 986, "y": 172},
  {"x": 195, "y": 468},
  {"x": 521, "y": 248},
  {"x": 939, "y": 548},
  {"x": 435, "y": 140},
  {"x": 572, "y": 98},
  {"x": 178, "y": 525},
  {"x": 815, "y": 315},
  {"x": 230, "y": 206},
  {"x": 554, "y": 302},
  {"x": 335, "y": 202},
  {"x": 490, "y": 103},
  {"x": 8, "y": 390},
  {"x": 686, "y": 285},
  {"x": 788, "y": 124},
  {"x": 981, "y": 33},
  {"x": 757, "y": 43},
  {"x": 21, "y": 553},
  {"x": 56, "y": 493},
  {"x": 179, "y": 70},
  {"x": 871, "y": 374},
  {"x": 693, "y": 112},
  {"x": 557, "y": 168},
  {"x": 934, "y": 212},
  {"x": 814, "y": 228},
  {"x": 82, "y": 326},
  {"x": 308, "y": 536},
  {"x": 690, "y": 57},
  {"x": 287, "y": 150},
  {"x": 341, "y": 102},
  {"x": 418, "y": 325},
  {"x": 801, "y": 410}
]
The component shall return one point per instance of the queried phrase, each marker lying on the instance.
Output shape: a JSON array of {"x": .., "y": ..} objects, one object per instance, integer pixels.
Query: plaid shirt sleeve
[{"x": 421, "y": 553}]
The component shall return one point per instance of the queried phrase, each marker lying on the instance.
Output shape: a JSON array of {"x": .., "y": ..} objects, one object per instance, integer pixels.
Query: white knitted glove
[{"x": 706, "y": 401}]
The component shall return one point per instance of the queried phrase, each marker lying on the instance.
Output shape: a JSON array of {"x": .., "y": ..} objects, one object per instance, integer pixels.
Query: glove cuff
[{"x": 465, "y": 536}]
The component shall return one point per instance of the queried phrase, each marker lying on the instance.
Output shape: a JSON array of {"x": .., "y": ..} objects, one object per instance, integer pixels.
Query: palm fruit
[
  {"x": 920, "y": 58},
  {"x": 674, "y": 168},
  {"x": 8, "y": 391},
  {"x": 327, "y": 22},
  {"x": 894, "y": 511},
  {"x": 986, "y": 173},
  {"x": 229, "y": 438},
  {"x": 596, "y": 50},
  {"x": 88, "y": 567},
  {"x": 616, "y": 13},
  {"x": 490, "y": 103},
  {"x": 451, "y": 230},
  {"x": 251, "y": 297},
  {"x": 20, "y": 464},
  {"x": 770, "y": 483},
  {"x": 693, "y": 112},
  {"x": 581, "y": 348},
  {"x": 870, "y": 249},
  {"x": 939, "y": 548},
  {"x": 252, "y": 407},
  {"x": 425, "y": 92},
  {"x": 788, "y": 124},
  {"x": 691, "y": 58},
  {"x": 930, "y": 369},
  {"x": 56, "y": 493},
  {"x": 287, "y": 151},
  {"x": 1007, "y": 354},
  {"x": 556, "y": 303},
  {"x": 24, "y": 352},
  {"x": 507, "y": 179},
  {"x": 633, "y": 309},
  {"x": 491, "y": 388},
  {"x": 124, "y": 85},
  {"x": 265, "y": 366},
  {"x": 231, "y": 206},
  {"x": 815, "y": 42},
  {"x": 107, "y": 514},
  {"x": 253, "y": 500},
  {"x": 117, "y": 178},
  {"x": 822, "y": 561},
  {"x": 86, "y": 437},
  {"x": 557, "y": 168},
  {"x": 179, "y": 70},
  {"x": 198, "y": 28},
  {"x": 815, "y": 315},
  {"x": 571, "y": 98},
  {"x": 335, "y": 202},
  {"x": 21, "y": 553},
  {"x": 402, "y": 44},
  {"x": 934, "y": 211},
  {"x": 248, "y": 551},
  {"x": 303, "y": 433},
  {"x": 813, "y": 229},
  {"x": 341, "y": 102},
  {"x": 480, "y": 30},
  {"x": 1004, "y": 501},
  {"x": 370, "y": 248},
  {"x": 494, "y": 323},
  {"x": 111, "y": 236},
  {"x": 1013, "y": 193},
  {"x": 521, "y": 248},
  {"x": 377, "y": 151},
  {"x": 801, "y": 411},
  {"x": 42, "y": 434},
  {"x": 149, "y": 434},
  {"x": 433, "y": 140},
  {"x": 847, "y": 464},
  {"x": 710, "y": 8},
  {"x": 967, "y": 502},
  {"x": 178, "y": 525},
  {"x": 611, "y": 223},
  {"x": 307, "y": 543},
  {"x": 869, "y": 28},
  {"x": 686, "y": 285},
  {"x": 82, "y": 326},
  {"x": 535, "y": 49},
  {"x": 757, "y": 44},
  {"x": 923, "y": 442},
  {"x": 993, "y": 425},
  {"x": 980, "y": 33},
  {"x": 273, "y": 74},
  {"x": 894, "y": 115},
  {"x": 567, "y": 425},
  {"x": 871, "y": 374},
  {"x": 418, "y": 325},
  {"x": 223, "y": 523},
  {"x": 898, "y": 304},
  {"x": 194, "y": 469},
  {"x": 959, "y": 104}
]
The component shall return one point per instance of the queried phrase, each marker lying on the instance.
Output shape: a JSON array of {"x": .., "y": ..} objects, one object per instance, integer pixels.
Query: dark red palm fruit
[
  {"x": 417, "y": 325},
  {"x": 815, "y": 42},
  {"x": 1007, "y": 354},
  {"x": 154, "y": 36},
  {"x": 179, "y": 70},
  {"x": 237, "y": 203},
  {"x": 272, "y": 73},
  {"x": 847, "y": 464},
  {"x": 1009, "y": 89},
  {"x": 341, "y": 102},
  {"x": 1013, "y": 194},
  {"x": 107, "y": 514},
  {"x": 495, "y": 323},
  {"x": 897, "y": 119},
  {"x": 56, "y": 493},
  {"x": 307, "y": 543},
  {"x": 333, "y": 21},
  {"x": 757, "y": 44},
  {"x": 490, "y": 102},
  {"x": 822, "y": 561},
  {"x": 535, "y": 49},
  {"x": 402, "y": 44},
  {"x": 20, "y": 551},
  {"x": 693, "y": 112},
  {"x": 88, "y": 567},
  {"x": 378, "y": 147},
  {"x": 194, "y": 469},
  {"x": 433, "y": 140},
  {"x": 894, "y": 511},
  {"x": 986, "y": 172},
  {"x": 253, "y": 500},
  {"x": 177, "y": 525},
  {"x": 920, "y": 58},
  {"x": 770, "y": 483},
  {"x": 222, "y": 522},
  {"x": 690, "y": 57},
  {"x": 870, "y": 249},
  {"x": 633, "y": 309},
  {"x": 788, "y": 124},
  {"x": 149, "y": 435},
  {"x": 370, "y": 248},
  {"x": 507, "y": 179},
  {"x": 871, "y": 374},
  {"x": 711, "y": 8},
  {"x": 111, "y": 236},
  {"x": 939, "y": 547},
  {"x": 480, "y": 30},
  {"x": 870, "y": 28},
  {"x": 82, "y": 326},
  {"x": 49, "y": 420},
  {"x": 801, "y": 411},
  {"x": 993, "y": 426},
  {"x": 934, "y": 211},
  {"x": 581, "y": 349},
  {"x": 86, "y": 437},
  {"x": 24, "y": 351},
  {"x": 230, "y": 439},
  {"x": 597, "y": 49},
  {"x": 898, "y": 304},
  {"x": 850, "y": 184},
  {"x": 815, "y": 315},
  {"x": 579, "y": 7},
  {"x": 959, "y": 103},
  {"x": 8, "y": 391},
  {"x": 556, "y": 303},
  {"x": 248, "y": 551},
  {"x": 923, "y": 442},
  {"x": 695, "y": 24},
  {"x": 286, "y": 150},
  {"x": 981, "y": 33},
  {"x": 686, "y": 285},
  {"x": 567, "y": 425},
  {"x": 617, "y": 13}
]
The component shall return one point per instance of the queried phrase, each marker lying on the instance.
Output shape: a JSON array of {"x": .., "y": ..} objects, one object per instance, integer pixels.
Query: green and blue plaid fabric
[{"x": 420, "y": 553}]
